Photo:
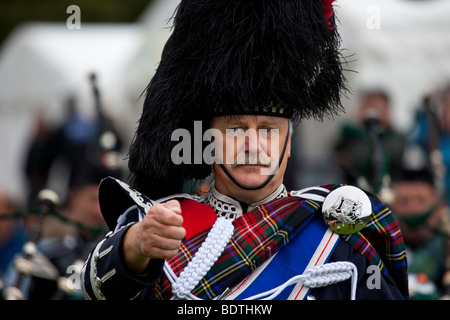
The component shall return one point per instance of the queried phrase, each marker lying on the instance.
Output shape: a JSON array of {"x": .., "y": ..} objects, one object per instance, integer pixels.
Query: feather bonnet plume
[{"x": 231, "y": 57}]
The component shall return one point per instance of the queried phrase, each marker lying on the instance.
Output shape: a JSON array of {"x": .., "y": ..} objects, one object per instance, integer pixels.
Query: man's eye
[
  {"x": 233, "y": 133},
  {"x": 266, "y": 131}
]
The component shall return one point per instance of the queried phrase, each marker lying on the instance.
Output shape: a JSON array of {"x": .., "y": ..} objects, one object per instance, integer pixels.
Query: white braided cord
[
  {"x": 210, "y": 250},
  {"x": 315, "y": 277}
]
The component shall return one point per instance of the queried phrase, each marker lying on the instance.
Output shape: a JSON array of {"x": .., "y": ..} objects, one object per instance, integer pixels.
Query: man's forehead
[{"x": 408, "y": 186}]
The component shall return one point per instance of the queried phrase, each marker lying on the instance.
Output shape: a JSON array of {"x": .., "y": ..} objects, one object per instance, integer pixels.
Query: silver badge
[{"x": 347, "y": 210}]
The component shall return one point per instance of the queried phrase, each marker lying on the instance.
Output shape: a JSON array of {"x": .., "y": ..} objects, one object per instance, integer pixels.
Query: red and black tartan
[{"x": 258, "y": 235}]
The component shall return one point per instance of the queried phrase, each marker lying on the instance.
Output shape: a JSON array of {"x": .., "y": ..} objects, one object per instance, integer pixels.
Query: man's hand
[{"x": 157, "y": 236}]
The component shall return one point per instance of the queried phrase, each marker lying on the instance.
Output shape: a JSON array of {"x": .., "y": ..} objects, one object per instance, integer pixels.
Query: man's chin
[{"x": 250, "y": 176}]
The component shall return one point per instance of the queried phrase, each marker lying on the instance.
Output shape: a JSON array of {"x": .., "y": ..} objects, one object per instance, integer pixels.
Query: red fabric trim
[{"x": 197, "y": 217}]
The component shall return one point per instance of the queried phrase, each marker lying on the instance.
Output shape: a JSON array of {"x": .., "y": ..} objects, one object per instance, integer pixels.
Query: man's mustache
[{"x": 249, "y": 159}]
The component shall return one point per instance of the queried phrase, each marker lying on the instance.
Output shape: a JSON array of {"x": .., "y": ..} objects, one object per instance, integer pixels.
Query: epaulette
[
  {"x": 318, "y": 193},
  {"x": 115, "y": 197}
]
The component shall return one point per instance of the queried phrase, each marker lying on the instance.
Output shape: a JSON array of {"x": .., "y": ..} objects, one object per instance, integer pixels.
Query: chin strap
[{"x": 269, "y": 178}]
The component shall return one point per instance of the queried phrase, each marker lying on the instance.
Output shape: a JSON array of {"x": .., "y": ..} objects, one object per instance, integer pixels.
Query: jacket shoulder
[{"x": 117, "y": 197}]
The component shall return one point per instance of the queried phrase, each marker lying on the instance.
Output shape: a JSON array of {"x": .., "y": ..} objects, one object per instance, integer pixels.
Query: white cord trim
[
  {"x": 172, "y": 278},
  {"x": 210, "y": 250},
  {"x": 321, "y": 276}
]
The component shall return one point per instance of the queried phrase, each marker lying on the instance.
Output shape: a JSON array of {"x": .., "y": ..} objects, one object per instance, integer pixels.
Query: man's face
[
  {"x": 252, "y": 146},
  {"x": 377, "y": 104},
  {"x": 84, "y": 205},
  {"x": 412, "y": 198}
]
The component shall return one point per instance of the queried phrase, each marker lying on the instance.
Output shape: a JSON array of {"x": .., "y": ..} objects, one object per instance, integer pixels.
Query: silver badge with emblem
[{"x": 347, "y": 210}]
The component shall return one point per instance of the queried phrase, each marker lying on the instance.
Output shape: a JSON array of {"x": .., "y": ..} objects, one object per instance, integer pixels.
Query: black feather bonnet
[{"x": 226, "y": 57}]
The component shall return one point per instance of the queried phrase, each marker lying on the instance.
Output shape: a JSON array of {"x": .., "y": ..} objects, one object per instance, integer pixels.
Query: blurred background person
[
  {"x": 431, "y": 132},
  {"x": 369, "y": 149},
  {"x": 55, "y": 154},
  {"x": 83, "y": 152},
  {"x": 64, "y": 236},
  {"x": 39, "y": 156},
  {"x": 424, "y": 220},
  {"x": 67, "y": 239},
  {"x": 13, "y": 233}
]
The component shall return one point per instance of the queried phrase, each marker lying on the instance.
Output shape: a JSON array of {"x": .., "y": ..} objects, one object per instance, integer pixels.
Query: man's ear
[
  {"x": 288, "y": 147},
  {"x": 290, "y": 132}
]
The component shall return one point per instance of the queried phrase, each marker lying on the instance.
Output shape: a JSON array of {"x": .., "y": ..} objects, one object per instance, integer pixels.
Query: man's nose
[{"x": 252, "y": 142}]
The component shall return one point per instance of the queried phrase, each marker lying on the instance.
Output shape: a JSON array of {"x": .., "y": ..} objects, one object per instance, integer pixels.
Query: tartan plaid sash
[
  {"x": 262, "y": 232},
  {"x": 381, "y": 242},
  {"x": 258, "y": 235},
  {"x": 312, "y": 247}
]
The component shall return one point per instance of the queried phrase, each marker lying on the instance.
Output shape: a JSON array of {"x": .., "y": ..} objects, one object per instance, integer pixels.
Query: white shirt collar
[{"x": 227, "y": 207}]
